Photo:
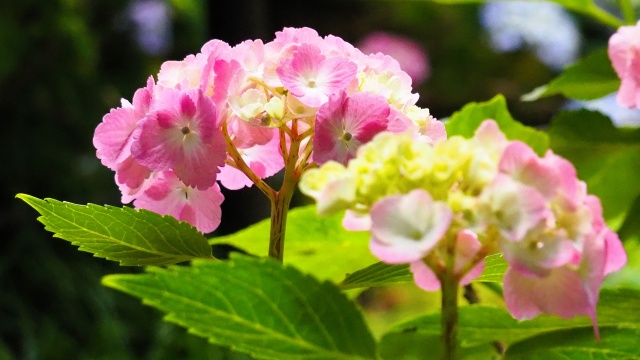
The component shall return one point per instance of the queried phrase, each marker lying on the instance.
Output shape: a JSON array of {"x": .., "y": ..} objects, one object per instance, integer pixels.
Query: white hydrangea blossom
[{"x": 547, "y": 28}]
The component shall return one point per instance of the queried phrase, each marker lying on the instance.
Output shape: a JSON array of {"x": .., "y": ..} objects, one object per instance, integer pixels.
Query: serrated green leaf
[
  {"x": 466, "y": 121},
  {"x": 615, "y": 343},
  {"x": 479, "y": 324},
  {"x": 606, "y": 158},
  {"x": 381, "y": 274},
  {"x": 131, "y": 237},
  {"x": 312, "y": 243},
  {"x": 255, "y": 306},
  {"x": 588, "y": 79}
]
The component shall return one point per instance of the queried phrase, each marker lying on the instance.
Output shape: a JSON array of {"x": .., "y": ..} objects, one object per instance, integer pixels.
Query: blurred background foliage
[{"x": 65, "y": 63}]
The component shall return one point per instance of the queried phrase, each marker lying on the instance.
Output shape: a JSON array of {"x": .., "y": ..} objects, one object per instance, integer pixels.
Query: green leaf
[
  {"x": 312, "y": 243},
  {"x": 255, "y": 306},
  {"x": 480, "y": 324},
  {"x": 381, "y": 274},
  {"x": 466, "y": 121},
  {"x": 606, "y": 158},
  {"x": 419, "y": 346},
  {"x": 615, "y": 343},
  {"x": 378, "y": 274},
  {"x": 588, "y": 79},
  {"x": 132, "y": 237}
]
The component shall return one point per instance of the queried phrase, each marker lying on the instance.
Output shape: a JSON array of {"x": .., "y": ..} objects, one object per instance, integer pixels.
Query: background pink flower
[
  {"x": 624, "y": 52},
  {"x": 411, "y": 56}
]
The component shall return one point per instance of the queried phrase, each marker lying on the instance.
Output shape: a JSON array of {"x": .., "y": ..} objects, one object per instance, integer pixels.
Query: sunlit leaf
[
  {"x": 255, "y": 306},
  {"x": 132, "y": 237},
  {"x": 588, "y": 79},
  {"x": 466, "y": 121},
  {"x": 480, "y": 324},
  {"x": 318, "y": 245},
  {"x": 381, "y": 274}
]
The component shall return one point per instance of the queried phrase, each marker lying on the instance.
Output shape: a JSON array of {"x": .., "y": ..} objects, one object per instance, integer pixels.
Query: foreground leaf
[
  {"x": 615, "y": 343},
  {"x": 255, "y": 306},
  {"x": 588, "y": 79},
  {"x": 317, "y": 245},
  {"x": 466, "y": 121},
  {"x": 607, "y": 158},
  {"x": 381, "y": 274},
  {"x": 132, "y": 237},
  {"x": 479, "y": 324}
]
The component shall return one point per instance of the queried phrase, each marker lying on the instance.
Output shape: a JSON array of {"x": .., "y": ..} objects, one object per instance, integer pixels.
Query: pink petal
[
  {"x": 424, "y": 276},
  {"x": 406, "y": 227}
]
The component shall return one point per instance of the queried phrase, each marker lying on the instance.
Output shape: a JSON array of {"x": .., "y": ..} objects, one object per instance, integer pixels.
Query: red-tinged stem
[
  {"x": 282, "y": 199},
  {"x": 449, "y": 283}
]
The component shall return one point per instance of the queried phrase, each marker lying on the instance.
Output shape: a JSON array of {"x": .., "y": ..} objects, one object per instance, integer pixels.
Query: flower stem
[
  {"x": 626, "y": 7},
  {"x": 449, "y": 320},
  {"x": 282, "y": 199}
]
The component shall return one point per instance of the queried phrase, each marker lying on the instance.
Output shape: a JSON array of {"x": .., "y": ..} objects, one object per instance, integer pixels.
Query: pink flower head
[
  {"x": 167, "y": 195},
  {"x": 467, "y": 246},
  {"x": 624, "y": 52},
  {"x": 311, "y": 77},
  {"x": 411, "y": 56},
  {"x": 345, "y": 122},
  {"x": 404, "y": 228},
  {"x": 182, "y": 134}
]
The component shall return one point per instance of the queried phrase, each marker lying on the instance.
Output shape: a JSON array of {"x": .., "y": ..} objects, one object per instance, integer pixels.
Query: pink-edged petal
[
  {"x": 616, "y": 255},
  {"x": 311, "y": 77},
  {"x": 467, "y": 246},
  {"x": 182, "y": 135},
  {"x": 423, "y": 276},
  {"x": 514, "y": 208},
  {"x": 406, "y": 227},
  {"x": 560, "y": 293},
  {"x": 167, "y": 195},
  {"x": 112, "y": 134},
  {"x": 355, "y": 221}
]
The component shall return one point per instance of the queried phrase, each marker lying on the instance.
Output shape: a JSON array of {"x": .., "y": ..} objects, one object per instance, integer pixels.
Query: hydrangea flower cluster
[
  {"x": 624, "y": 52},
  {"x": 455, "y": 201},
  {"x": 236, "y": 115}
]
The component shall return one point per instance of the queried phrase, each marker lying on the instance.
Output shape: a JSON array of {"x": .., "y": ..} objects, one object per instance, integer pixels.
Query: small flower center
[
  {"x": 312, "y": 83},
  {"x": 347, "y": 136},
  {"x": 185, "y": 130}
]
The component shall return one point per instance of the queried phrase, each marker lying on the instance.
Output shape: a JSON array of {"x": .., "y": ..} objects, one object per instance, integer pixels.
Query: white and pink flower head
[{"x": 232, "y": 113}]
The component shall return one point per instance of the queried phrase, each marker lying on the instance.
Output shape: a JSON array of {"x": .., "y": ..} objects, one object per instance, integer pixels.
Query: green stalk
[
  {"x": 282, "y": 199},
  {"x": 449, "y": 285},
  {"x": 449, "y": 320},
  {"x": 629, "y": 14}
]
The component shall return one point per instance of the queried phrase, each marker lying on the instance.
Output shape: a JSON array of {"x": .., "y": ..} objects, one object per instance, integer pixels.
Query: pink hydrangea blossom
[
  {"x": 167, "y": 195},
  {"x": 411, "y": 56},
  {"x": 345, "y": 122},
  {"x": 312, "y": 77},
  {"x": 624, "y": 52},
  {"x": 182, "y": 134},
  {"x": 406, "y": 227}
]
